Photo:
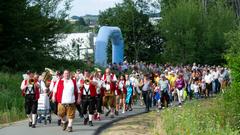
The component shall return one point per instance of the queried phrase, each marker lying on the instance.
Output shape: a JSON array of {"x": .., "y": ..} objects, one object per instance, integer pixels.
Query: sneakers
[
  {"x": 90, "y": 123},
  {"x": 85, "y": 121},
  {"x": 30, "y": 124},
  {"x": 123, "y": 111},
  {"x": 69, "y": 129},
  {"x": 112, "y": 116}
]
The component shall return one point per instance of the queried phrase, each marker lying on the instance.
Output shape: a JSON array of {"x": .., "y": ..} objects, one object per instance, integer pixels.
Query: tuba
[{"x": 47, "y": 75}]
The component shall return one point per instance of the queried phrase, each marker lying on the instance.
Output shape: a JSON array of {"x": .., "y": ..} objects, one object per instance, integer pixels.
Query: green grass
[
  {"x": 11, "y": 101},
  {"x": 205, "y": 117}
]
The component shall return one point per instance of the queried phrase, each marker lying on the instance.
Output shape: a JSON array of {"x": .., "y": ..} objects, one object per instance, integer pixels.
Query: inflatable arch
[{"x": 104, "y": 34}]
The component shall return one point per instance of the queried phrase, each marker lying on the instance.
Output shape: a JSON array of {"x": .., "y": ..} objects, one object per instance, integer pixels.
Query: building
[{"x": 76, "y": 46}]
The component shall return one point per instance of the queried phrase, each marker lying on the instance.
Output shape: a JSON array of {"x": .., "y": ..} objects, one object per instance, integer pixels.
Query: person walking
[
  {"x": 67, "y": 94},
  {"x": 30, "y": 90}
]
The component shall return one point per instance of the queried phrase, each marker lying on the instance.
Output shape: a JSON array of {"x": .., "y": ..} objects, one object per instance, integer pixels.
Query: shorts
[
  {"x": 88, "y": 104},
  {"x": 66, "y": 110},
  {"x": 31, "y": 104}
]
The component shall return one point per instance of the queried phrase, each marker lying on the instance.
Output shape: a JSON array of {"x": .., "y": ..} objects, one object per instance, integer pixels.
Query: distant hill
[{"x": 89, "y": 19}]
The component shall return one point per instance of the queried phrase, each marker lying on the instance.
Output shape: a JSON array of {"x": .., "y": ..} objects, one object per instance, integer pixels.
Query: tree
[
  {"x": 232, "y": 95},
  {"x": 195, "y": 34},
  {"x": 29, "y": 31},
  {"x": 139, "y": 34}
]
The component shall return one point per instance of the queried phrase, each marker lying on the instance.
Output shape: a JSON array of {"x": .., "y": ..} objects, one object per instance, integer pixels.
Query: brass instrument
[
  {"x": 87, "y": 81},
  {"x": 31, "y": 81},
  {"x": 47, "y": 75}
]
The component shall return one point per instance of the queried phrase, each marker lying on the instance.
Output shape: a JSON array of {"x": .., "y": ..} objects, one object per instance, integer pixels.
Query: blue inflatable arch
[{"x": 105, "y": 34}]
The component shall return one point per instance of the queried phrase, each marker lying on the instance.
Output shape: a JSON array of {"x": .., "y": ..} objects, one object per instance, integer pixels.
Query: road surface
[{"x": 21, "y": 127}]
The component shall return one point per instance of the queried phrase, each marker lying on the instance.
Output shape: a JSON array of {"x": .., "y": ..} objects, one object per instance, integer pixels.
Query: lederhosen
[
  {"x": 88, "y": 102},
  {"x": 31, "y": 102},
  {"x": 99, "y": 98},
  {"x": 109, "y": 93},
  {"x": 79, "y": 107}
]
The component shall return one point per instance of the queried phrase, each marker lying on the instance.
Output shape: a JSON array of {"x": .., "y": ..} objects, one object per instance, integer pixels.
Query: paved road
[{"x": 21, "y": 127}]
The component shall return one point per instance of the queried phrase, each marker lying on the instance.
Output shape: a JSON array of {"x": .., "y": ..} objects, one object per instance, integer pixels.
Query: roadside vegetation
[{"x": 11, "y": 100}]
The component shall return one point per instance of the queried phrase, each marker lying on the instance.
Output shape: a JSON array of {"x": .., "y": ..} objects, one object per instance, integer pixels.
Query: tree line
[
  {"x": 29, "y": 31},
  {"x": 188, "y": 30}
]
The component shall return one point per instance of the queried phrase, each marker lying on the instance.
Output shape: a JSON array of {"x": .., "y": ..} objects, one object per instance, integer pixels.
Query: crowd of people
[{"x": 94, "y": 93}]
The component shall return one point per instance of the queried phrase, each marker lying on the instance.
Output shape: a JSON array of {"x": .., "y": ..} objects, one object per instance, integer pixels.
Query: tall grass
[
  {"x": 11, "y": 101},
  {"x": 207, "y": 117}
]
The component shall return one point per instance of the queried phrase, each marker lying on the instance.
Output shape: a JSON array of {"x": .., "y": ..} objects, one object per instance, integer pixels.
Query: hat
[{"x": 98, "y": 70}]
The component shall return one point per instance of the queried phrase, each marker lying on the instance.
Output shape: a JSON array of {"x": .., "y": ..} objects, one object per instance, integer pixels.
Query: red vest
[
  {"x": 112, "y": 85},
  {"x": 37, "y": 93},
  {"x": 124, "y": 87},
  {"x": 60, "y": 88},
  {"x": 92, "y": 89}
]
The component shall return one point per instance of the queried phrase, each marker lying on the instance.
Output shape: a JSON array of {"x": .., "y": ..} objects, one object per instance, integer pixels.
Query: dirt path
[{"x": 145, "y": 124}]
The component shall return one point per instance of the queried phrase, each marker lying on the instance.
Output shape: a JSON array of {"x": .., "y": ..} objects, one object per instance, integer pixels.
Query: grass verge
[
  {"x": 11, "y": 101},
  {"x": 207, "y": 117},
  {"x": 197, "y": 117}
]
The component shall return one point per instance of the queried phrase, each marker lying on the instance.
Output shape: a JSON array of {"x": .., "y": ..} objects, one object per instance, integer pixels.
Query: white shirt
[
  {"x": 121, "y": 85},
  {"x": 27, "y": 86},
  {"x": 43, "y": 87},
  {"x": 215, "y": 75},
  {"x": 208, "y": 78},
  {"x": 99, "y": 84},
  {"x": 108, "y": 78},
  {"x": 86, "y": 89},
  {"x": 68, "y": 96},
  {"x": 22, "y": 84},
  {"x": 195, "y": 88}
]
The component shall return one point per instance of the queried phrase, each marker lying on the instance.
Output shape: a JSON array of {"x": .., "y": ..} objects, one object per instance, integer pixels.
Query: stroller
[{"x": 43, "y": 111}]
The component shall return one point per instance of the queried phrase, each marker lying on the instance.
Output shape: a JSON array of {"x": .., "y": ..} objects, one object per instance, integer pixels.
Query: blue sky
[{"x": 82, "y": 7}]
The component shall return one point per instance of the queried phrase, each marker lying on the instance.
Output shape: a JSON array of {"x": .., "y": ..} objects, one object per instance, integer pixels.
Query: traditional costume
[
  {"x": 54, "y": 105},
  {"x": 43, "y": 103},
  {"x": 109, "y": 85},
  {"x": 122, "y": 91},
  {"x": 30, "y": 91},
  {"x": 88, "y": 94},
  {"x": 66, "y": 92},
  {"x": 99, "y": 97}
]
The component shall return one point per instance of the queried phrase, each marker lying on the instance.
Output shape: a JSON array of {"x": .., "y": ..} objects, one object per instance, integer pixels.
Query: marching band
[
  {"x": 95, "y": 94},
  {"x": 91, "y": 94}
]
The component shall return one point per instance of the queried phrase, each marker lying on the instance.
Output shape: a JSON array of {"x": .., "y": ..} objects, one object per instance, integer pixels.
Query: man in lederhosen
[
  {"x": 100, "y": 92},
  {"x": 30, "y": 90},
  {"x": 66, "y": 94},
  {"x": 88, "y": 94},
  {"x": 109, "y": 80}
]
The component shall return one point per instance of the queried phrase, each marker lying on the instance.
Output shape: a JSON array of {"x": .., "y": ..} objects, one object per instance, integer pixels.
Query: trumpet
[
  {"x": 87, "y": 81},
  {"x": 31, "y": 81}
]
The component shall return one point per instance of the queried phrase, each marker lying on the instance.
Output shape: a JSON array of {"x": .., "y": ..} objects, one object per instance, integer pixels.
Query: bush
[
  {"x": 207, "y": 117},
  {"x": 11, "y": 100},
  {"x": 232, "y": 96}
]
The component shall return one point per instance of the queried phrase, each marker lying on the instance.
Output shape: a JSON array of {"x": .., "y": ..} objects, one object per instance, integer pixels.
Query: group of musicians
[{"x": 90, "y": 94}]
